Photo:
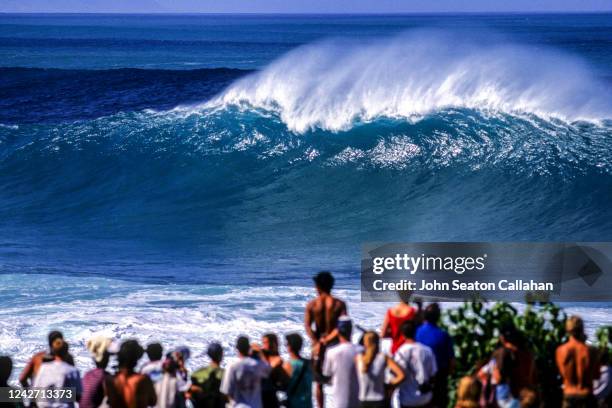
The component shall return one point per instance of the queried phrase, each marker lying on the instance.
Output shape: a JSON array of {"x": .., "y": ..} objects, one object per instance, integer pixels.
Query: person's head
[
  {"x": 129, "y": 354},
  {"x": 574, "y": 326},
  {"x": 175, "y": 359},
  {"x": 59, "y": 349},
  {"x": 508, "y": 333},
  {"x": 404, "y": 296},
  {"x": 269, "y": 343},
  {"x": 215, "y": 352},
  {"x": 408, "y": 329},
  {"x": 100, "y": 348},
  {"x": 6, "y": 367},
  {"x": 155, "y": 351},
  {"x": 182, "y": 353},
  {"x": 294, "y": 343},
  {"x": 371, "y": 346},
  {"x": 345, "y": 327},
  {"x": 55, "y": 338},
  {"x": 468, "y": 392},
  {"x": 243, "y": 346},
  {"x": 324, "y": 282},
  {"x": 171, "y": 363},
  {"x": 432, "y": 313},
  {"x": 54, "y": 335}
]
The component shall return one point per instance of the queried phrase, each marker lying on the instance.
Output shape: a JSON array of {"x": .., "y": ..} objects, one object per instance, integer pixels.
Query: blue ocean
[{"x": 181, "y": 177}]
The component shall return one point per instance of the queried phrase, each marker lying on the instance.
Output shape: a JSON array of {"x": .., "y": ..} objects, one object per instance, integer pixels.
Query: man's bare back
[{"x": 324, "y": 312}]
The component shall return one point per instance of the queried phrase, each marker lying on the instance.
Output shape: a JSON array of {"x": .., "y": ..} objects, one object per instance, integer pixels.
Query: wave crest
[{"x": 333, "y": 84}]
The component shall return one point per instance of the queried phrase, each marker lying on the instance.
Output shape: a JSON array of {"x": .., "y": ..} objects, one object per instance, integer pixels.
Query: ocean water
[{"x": 180, "y": 178}]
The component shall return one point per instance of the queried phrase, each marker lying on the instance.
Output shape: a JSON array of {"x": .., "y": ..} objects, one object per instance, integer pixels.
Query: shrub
[
  {"x": 604, "y": 342},
  {"x": 474, "y": 328}
]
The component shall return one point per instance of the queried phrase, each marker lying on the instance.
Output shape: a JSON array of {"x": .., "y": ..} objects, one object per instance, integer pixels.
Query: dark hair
[
  {"x": 242, "y": 345},
  {"x": 215, "y": 352},
  {"x": 155, "y": 351},
  {"x": 324, "y": 281},
  {"x": 129, "y": 354},
  {"x": 170, "y": 364},
  {"x": 408, "y": 329},
  {"x": 6, "y": 366},
  {"x": 432, "y": 313},
  {"x": 273, "y": 340},
  {"x": 54, "y": 335},
  {"x": 294, "y": 342},
  {"x": 345, "y": 327},
  {"x": 404, "y": 296},
  {"x": 510, "y": 333}
]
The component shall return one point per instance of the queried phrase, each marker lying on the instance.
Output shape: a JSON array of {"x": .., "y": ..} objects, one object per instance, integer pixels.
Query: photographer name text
[{"x": 517, "y": 285}]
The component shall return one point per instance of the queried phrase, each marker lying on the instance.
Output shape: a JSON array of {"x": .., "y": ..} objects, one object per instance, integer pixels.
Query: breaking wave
[{"x": 333, "y": 84}]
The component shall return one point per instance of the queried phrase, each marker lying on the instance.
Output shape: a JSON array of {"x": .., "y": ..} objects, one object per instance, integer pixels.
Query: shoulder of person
[
  {"x": 260, "y": 362},
  {"x": 141, "y": 377},
  {"x": 199, "y": 372},
  {"x": 425, "y": 348},
  {"x": 403, "y": 349},
  {"x": 333, "y": 350}
]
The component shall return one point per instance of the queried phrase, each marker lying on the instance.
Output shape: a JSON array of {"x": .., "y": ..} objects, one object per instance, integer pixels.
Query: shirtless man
[
  {"x": 322, "y": 312},
  {"x": 56, "y": 341},
  {"x": 128, "y": 389}
]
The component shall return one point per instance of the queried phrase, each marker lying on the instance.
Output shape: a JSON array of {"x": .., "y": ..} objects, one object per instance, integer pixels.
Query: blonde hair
[
  {"x": 371, "y": 347},
  {"x": 468, "y": 392}
]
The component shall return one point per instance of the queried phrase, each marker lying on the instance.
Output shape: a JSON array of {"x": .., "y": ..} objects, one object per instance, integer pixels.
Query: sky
[{"x": 300, "y": 6}]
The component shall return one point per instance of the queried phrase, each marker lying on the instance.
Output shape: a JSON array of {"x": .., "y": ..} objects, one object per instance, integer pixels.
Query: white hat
[{"x": 99, "y": 345}]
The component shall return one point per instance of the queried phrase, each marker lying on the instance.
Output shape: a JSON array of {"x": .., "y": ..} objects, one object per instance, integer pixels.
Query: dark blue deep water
[{"x": 260, "y": 148}]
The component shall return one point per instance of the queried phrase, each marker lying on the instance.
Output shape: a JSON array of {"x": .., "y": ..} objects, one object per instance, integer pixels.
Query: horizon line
[{"x": 407, "y": 13}]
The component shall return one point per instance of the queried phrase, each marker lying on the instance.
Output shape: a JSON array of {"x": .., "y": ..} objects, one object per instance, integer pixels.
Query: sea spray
[{"x": 335, "y": 83}]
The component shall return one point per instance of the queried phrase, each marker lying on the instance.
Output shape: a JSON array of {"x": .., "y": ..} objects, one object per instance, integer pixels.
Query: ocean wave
[
  {"x": 204, "y": 176},
  {"x": 315, "y": 165},
  {"x": 336, "y": 83}
]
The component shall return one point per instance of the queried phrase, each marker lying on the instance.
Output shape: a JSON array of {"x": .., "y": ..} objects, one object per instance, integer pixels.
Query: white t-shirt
[
  {"x": 242, "y": 382},
  {"x": 168, "y": 387},
  {"x": 154, "y": 370},
  {"x": 339, "y": 364},
  {"x": 57, "y": 374},
  {"x": 419, "y": 364},
  {"x": 602, "y": 387}
]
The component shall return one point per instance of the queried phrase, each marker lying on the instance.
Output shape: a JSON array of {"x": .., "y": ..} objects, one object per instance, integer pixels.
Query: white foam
[
  {"x": 335, "y": 83},
  {"x": 192, "y": 315}
]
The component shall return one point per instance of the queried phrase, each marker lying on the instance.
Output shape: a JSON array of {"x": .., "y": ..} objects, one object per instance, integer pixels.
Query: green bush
[
  {"x": 604, "y": 341},
  {"x": 474, "y": 327}
]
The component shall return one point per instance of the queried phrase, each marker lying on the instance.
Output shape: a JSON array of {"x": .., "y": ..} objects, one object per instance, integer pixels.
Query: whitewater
[
  {"x": 140, "y": 198},
  {"x": 335, "y": 83}
]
